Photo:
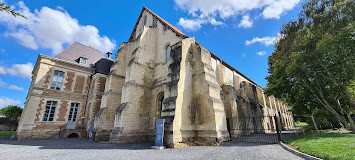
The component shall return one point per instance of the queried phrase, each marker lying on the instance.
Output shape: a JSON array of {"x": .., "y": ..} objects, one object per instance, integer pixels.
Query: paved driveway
[{"x": 83, "y": 149}]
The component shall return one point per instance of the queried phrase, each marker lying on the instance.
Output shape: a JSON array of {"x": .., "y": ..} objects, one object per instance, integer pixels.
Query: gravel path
[{"x": 82, "y": 149}]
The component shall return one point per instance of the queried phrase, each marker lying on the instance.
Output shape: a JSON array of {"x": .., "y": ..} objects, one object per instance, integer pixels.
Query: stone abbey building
[{"x": 160, "y": 73}]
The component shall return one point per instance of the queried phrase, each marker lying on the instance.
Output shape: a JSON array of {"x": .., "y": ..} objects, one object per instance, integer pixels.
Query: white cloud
[
  {"x": 52, "y": 29},
  {"x": 267, "y": 41},
  {"x": 278, "y": 7},
  {"x": 15, "y": 87},
  {"x": 264, "y": 40},
  {"x": 190, "y": 24},
  {"x": 244, "y": 55},
  {"x": 4, "y": 85},
  {"x": 207, "y": 9},
  {"x": 24, "y": 38},
  {"x": 261, "y": 53},
  {"x": 19, "y": 70},
  {"x": 5, "y": 101},
  {"x": 196, "y": 23},
  {"x": 2, "y": 70},
  {"x": 246, "y": 22},
  {"x": 214, "y": 22}
]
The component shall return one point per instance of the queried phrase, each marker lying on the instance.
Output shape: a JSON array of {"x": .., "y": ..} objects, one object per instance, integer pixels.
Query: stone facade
[{"x": 160, "y": 73}]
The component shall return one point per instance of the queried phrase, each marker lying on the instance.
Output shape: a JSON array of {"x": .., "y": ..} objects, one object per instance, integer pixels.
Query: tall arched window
[
  {"x": 167, "y": 55},
  {"x": 145, "y": 20}
]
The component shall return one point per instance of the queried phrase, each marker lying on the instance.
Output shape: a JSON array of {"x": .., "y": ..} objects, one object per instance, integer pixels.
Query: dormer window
[{"x": 83, "y": 60}]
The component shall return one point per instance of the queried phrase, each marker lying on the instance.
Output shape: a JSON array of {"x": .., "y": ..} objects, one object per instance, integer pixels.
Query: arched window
[
  {"x": 145, "y": 20},
  {"x": 160, "y": 99},
  {"x": 167, "y": 55}
]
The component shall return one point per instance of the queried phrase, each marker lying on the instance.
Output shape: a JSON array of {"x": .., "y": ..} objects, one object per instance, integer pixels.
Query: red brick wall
[
  {"x": 63, "y": 95},
  {"x": 70, "y": 79},
  {"x": 79, "y": 84},
  {"x": 40, "y": 106},
  {"x": 48, "y": 76},
  {"x": 63, "y": 111},
  {"x": 102, "y": 82},
  {"x": 48, "y": 126},
  {"x": 87, "y": 84}
]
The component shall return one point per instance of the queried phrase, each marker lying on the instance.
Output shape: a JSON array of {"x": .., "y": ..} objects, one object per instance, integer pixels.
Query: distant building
[{"x": 160, "y": 73}]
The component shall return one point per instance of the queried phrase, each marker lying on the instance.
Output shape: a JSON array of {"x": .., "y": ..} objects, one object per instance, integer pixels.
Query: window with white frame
[
  {"x": 57, "y": 80},
  {"x": 167, "y": 54},
  {"x": 50, "y": 110},
  {"x": 83, "y": 60},
  {"x": 73, "y": 113}
]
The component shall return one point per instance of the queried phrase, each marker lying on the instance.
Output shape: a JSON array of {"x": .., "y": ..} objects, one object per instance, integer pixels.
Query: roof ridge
[
  {"x": 87, "y": 46},
  {"x": 174, "y": 29}
]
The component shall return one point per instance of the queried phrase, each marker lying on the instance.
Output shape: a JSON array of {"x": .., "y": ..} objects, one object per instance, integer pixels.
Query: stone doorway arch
[{"x": 159, "y": 104}]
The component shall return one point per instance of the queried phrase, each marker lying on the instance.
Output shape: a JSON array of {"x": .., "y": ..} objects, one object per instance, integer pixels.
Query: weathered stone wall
[{"x": 145, "y": 75}]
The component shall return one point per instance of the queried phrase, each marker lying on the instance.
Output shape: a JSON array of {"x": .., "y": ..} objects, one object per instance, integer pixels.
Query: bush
[{"x": 324, "y": 120}]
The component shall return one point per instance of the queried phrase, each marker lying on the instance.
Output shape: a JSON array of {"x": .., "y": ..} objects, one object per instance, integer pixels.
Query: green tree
[
  {"x": 6, "y": 8},
  {"x": 313, "y": 63},
  {"x": 12, "y": 113}
]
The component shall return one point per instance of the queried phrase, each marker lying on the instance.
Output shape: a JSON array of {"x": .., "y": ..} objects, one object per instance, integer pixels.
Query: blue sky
[{"x": 238, "y": 31}]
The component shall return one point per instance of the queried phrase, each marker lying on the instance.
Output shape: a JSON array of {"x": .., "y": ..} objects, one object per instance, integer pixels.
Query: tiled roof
[
  {"x": 178, "y": 32},
  {"x": 77, "y": 50}
]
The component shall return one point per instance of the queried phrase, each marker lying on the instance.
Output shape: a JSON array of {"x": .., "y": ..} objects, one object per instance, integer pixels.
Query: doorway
[{"x": 73, "y": 113}]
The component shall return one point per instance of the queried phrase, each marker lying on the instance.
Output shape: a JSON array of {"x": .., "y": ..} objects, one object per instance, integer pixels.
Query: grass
[
  {"x": 332, "y": 146},
  {"x": 299, "y": 124},
  {"x": 7, "y": 133}
]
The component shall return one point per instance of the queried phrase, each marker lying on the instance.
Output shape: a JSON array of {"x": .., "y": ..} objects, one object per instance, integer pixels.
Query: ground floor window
[
  {"x": 49, "y": 112},
  {"x": 74, "y": 107}
]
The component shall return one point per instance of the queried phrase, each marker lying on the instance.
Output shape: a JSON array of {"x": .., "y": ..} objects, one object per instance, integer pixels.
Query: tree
[
  {"x": 6, "y": 8},
  {"x": 313, "y": 63},
  {"x": 12, "y": 113}
]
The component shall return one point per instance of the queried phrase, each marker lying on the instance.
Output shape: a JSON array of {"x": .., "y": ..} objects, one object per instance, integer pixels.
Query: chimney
[
  {"x": 108, "y": 54},
  {"x": 92, "y": 47}
]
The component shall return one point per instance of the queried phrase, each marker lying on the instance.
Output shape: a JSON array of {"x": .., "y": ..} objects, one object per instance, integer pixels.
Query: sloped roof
[
  {"x": 77, "y": 50},
  {"x": 103, "y": 66},
  {"x": 178, "y": 32}
]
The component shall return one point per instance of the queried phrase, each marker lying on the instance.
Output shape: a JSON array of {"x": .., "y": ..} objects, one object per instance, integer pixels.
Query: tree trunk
[
  {"x": 314, "y": 123},
  {"x": 9, "y": 124},
  {"x": 352, "y": 127}
]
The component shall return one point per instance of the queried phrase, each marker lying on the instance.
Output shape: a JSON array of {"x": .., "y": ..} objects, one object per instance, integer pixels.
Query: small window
[
  {"x": 49, "y": 112},
  {"x": 73, "y": 112},
  {"x": 168, "y": 49},
  {"x": 83, "y": 60},
  {"x": 145, "y": 20},
  {"x": 57, "y": 80}
]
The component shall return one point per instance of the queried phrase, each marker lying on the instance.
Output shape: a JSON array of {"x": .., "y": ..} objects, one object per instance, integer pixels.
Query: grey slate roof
[
  {"x": 95, "y": 58},
  {"x": 77, "y": 50},
  {"x": 103, "y": 66}
]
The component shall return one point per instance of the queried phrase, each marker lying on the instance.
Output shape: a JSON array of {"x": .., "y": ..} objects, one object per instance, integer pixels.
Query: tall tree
[
  {"x": 313, "y": 63},
  {"x": 12, "y": 113},
  {"x": 6, "y": 8}
]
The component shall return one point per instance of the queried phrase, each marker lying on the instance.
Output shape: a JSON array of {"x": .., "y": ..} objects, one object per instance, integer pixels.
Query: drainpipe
[{"x": 87, "y": 98}]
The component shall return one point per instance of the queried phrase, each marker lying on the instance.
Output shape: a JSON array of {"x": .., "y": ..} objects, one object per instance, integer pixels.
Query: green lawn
[
  {"x": 7, "y": 133},
  {"x": 298, "y": 124},
  {"x": 326, "y": 145}
]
